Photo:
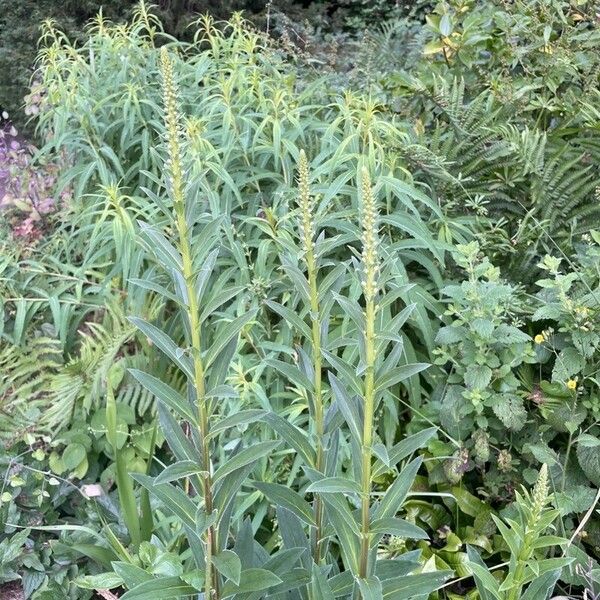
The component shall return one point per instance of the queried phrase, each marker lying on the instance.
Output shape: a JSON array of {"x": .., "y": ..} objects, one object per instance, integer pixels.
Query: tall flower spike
[
  {"x": 306, "y": 205},
  {"x": 370, "y": 239},
  {"x": 540, "y": 490},
  {"x": 173, "y": 133}
]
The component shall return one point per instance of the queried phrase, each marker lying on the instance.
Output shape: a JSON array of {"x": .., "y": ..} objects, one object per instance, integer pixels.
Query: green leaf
[
  {"x": 478, "y": 377},
  {"x": 291, "y": 317},
  {"x": 293, "y": 436},
  {"x": 291, "y": 372},
  {"x": 487, "y": 586},
  {"x": 103, "y": 581},
  {"x": 406, "y": 587},
  {"x": 370, "y": 588},
  {"x": 334, "y": 484},
  {"x": 397, "y": 492},
  {"x": 589, "y": 460},
  {"x": 285, "y": 497},
  {"x": 399, "y": 528},
  {"x": 245, "y": 457},
  {"x": 244, "y": 417},
  {"x": 225, "y": 334},
  {"x": 178, "y": 470},
  {"x": 542, "y": 587},
  {"x": 173, "y": 498},
  {"x": 251, "y": 580},
  {"x": 162, "y": 588},
  {"x": 229, "y": 565},
  {"x": 166, "y": 345},
  {"x": 405, "y": 448},
  {"x": 398, "y": 374},
  {"x": 72, "y": 456},
  {"x": 166, "y": 394},
  {"x": 319, "y": 585}
]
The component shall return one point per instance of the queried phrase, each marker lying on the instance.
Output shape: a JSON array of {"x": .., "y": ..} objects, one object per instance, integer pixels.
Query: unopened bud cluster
[
  {"x": 306, "y": 205},
  {"x": 540, "y": 491},
  {"x": 370, "y": 239},
  {"x": 173, "y": 133}
]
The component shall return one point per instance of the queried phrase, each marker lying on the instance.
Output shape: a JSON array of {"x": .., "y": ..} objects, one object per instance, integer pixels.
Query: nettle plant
[
  {"x": 483, "y": 346},
  {"x": 329, "y": 549}
]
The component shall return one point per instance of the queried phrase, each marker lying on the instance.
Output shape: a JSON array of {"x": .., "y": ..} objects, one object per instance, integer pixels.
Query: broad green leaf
[
  {"x": 103, "y": 581},
  {"x": 251, "y": 580},
  {"x": 162, "y": 588},
  {"x": 229, "y": 565},
  {"x": 408, "y": 586}
]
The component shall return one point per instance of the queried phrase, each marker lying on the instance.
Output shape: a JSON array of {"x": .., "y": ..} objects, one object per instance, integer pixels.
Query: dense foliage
[{"x": 273, "y": 330}]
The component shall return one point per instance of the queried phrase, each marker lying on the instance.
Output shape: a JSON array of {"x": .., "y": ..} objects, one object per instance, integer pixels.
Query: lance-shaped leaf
[
  {"x": 225, "y": 334},
  {"x": 179, "y": 470},
  {"x": 244, "y": 417},
  {"x": 370, "y": 588},
  {"x": 407, "y": 587},
  {"x": 251, "y": 580},
  {"x": 245, "y": 457},
  {"x": 285, "y": 497},
  {"x": 162, "y": 588},
  {"x": 397, "y": 492},
  {"x": 397, "y": 375},
  {"x": 229, "y": 565},
  {"x": 399, "y": 528},
  {"x": 166, "y": 394},
  {"x": 329, "y": 485},
  {"x": 166, "y": 345}
]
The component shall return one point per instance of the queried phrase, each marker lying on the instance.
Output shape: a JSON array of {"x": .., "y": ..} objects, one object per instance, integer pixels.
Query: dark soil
[{"x": 11, "y": 591}]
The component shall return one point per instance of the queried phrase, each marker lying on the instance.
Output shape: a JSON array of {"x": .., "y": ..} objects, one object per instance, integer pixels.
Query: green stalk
[
  {"x": 308, "y": 233},
  {"x": 370, "y": 261},
  {"x": 539, "y": 499},
  {"x": 184, "y": 247}
]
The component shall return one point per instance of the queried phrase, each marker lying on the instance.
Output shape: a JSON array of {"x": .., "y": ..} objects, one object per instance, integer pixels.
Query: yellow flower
[
  {"x": 539, "y": 338},
  {"x": 572, "y": 384}
]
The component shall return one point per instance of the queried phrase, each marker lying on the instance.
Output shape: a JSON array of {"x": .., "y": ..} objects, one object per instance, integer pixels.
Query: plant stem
[
  {"x": 318, "y": 393},
  {"x": 185, "y": 250},
  {"x": 307, "y": 234},
  {"x": 370, "y": 261},
  {"x": 369, "y": 410}
]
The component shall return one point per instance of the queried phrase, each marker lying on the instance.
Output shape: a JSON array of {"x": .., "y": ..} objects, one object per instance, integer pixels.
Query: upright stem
[
  {"x": 370, "y": 263},
  {"x": 185, "y": 249},
  {"x": 308, "y": 233},
  {"x": 318, "y": 395},
  {"x": 369, "y": 410}
]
